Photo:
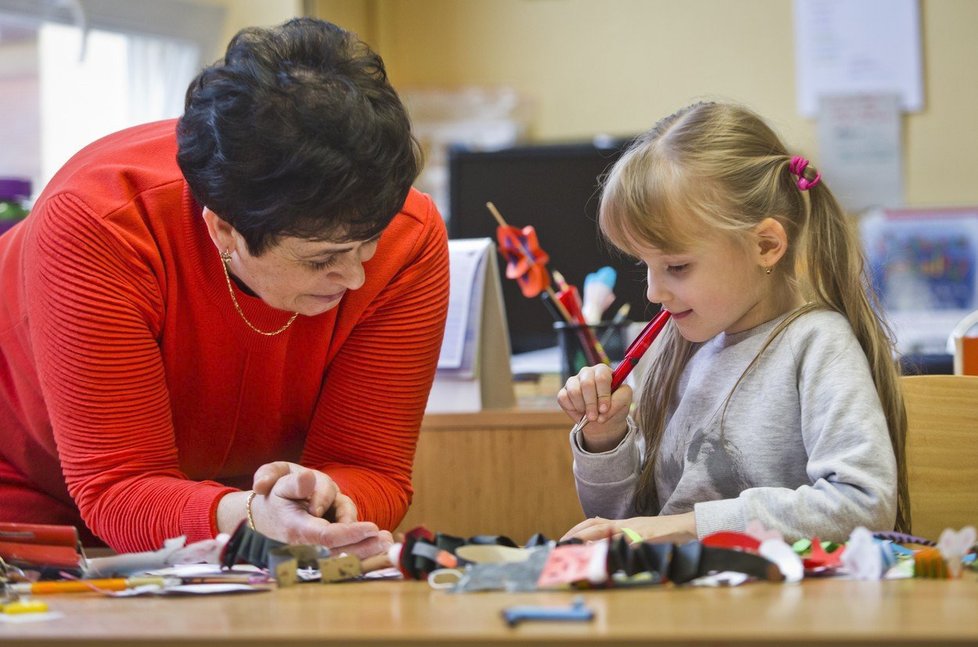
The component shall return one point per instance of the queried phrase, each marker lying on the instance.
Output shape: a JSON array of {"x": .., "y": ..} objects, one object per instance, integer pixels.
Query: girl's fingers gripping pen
[{"x": 633, "y": 354}]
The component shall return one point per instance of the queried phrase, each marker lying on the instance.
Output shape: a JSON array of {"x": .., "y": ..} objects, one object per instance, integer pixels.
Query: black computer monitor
[{"x": 553, "y": 187}]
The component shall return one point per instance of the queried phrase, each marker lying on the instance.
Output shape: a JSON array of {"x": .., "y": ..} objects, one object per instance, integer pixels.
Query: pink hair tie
[{"x": 797, "y": 166}]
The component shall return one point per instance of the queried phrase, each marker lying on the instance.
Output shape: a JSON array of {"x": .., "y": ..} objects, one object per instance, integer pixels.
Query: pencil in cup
[
  {"x": 589, "y": 342},
  {"x": 633, "y": 354},
  {"x": 620, "y": 318}
]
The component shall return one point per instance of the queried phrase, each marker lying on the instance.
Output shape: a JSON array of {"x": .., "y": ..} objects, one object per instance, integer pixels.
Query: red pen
[{"x": 633, "y": 354}]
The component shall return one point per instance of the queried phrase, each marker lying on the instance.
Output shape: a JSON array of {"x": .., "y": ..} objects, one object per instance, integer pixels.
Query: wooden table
[
  {"x": 815, "y": 612},
  {"x": 508, "y": 472}
]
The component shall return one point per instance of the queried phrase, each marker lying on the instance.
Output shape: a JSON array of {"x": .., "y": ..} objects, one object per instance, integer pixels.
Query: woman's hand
[
  {"x": 674, "y": 528},
  {"x": 325, "y": 500},
  {"x": 290, "y": 504},
  {"x": 589, "y": 393}
]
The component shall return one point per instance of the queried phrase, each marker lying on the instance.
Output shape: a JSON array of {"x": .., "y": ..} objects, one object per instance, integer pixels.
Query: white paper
[
  {"x": 28, "y": 618},
  {"x": 473, "y": 370},
  {"x": 858, "y": 47},
  {"x": 467, "y": 269},
  {"x": 860, "y": 149}
]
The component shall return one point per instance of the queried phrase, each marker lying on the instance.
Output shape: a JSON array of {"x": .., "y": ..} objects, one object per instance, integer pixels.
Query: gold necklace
[{"x": 225, "y": 259}]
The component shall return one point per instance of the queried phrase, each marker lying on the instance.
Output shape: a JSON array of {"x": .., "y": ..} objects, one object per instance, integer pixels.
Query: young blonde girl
[{"x": 772, "y": 394}]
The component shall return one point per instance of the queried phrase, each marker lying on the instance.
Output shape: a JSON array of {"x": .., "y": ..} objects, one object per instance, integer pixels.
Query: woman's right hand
[{"x": 589, "y": 394}]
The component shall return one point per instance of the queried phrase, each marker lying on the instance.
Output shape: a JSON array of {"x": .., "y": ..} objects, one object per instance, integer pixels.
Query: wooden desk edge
[{"x": 515, "y": 418}]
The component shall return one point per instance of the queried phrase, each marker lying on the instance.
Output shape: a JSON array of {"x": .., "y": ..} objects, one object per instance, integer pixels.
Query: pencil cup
[{"x": 571, "y": 339}]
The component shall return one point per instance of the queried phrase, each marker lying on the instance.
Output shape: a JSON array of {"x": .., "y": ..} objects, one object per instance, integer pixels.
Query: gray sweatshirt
[{"x": 803, "y": 448}]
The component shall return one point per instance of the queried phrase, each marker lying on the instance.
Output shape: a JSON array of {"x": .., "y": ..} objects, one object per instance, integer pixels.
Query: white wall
[
  {"x": 616, "y": 66},
  {"x": 251, "y": 13}
]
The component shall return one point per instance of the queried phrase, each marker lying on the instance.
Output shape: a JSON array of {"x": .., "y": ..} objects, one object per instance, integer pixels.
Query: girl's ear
[{"x": 772, "y": 242}]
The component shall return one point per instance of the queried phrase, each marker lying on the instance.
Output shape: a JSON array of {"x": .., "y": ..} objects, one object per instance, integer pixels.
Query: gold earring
[{"x": 768, "y": 270}]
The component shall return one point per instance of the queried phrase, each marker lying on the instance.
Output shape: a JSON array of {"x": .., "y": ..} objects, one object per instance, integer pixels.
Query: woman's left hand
[{"x": 674, "y": 528}]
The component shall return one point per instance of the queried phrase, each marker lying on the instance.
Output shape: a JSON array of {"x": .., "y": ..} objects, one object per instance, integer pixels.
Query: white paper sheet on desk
[
  {"x": 192, "y": 579},
  {"x": 188, "y": 571},
  {"x": 27, "y": 618},
  {"x": 191, "y": 589},
  {"x": 391, "y": 573}
]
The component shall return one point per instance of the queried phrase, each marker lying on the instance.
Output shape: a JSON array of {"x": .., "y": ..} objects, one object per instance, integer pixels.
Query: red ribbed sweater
[{"x": 133, "y": 396}]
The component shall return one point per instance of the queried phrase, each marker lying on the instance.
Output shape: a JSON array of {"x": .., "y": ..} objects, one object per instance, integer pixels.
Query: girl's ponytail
[{"x": 838, "y": 278}]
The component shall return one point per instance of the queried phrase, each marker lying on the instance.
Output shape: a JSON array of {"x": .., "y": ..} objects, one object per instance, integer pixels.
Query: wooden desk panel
[
  {"x": 494, "y": 472},
  {"x": 814, "y": 612}
]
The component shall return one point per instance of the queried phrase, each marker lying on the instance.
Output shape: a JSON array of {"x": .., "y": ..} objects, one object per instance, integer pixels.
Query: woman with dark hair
[{"x": 231, "y": 317}]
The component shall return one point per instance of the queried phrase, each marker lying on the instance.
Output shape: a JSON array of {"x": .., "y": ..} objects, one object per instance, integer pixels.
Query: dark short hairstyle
[{"x": 298, "y": 132}]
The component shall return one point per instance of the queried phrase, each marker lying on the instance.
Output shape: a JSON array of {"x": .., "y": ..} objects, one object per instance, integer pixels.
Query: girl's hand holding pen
[
  {"x": 589, "y": 394},
  {"x": 599, "y": 394}
]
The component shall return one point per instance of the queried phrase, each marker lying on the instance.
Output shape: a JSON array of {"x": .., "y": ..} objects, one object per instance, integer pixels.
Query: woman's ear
[
  {"x": 772, "y": 242},
  {"x": 221, "y": 232}
]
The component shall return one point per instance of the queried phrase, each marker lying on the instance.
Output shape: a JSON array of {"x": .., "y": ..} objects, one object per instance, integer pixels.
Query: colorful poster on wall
[{"x": 924, "y": 268}]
